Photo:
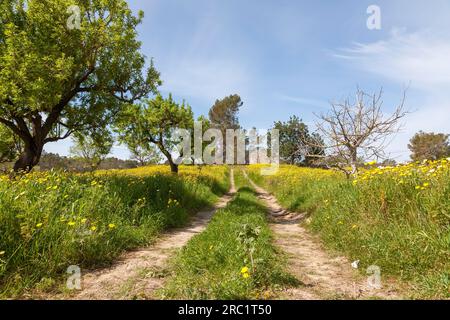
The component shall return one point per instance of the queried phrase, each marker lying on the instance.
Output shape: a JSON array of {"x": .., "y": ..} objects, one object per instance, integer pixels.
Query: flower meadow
[
  {"x": 395, "y": 217},
  {"x": 52, "y": 220}
]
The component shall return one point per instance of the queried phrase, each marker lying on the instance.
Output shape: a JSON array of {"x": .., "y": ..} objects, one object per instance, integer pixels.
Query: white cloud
[
  {"x": 419, "y": 60},
  {"x": 305, "y": 102},
  {"x": 416, "y": 58}
]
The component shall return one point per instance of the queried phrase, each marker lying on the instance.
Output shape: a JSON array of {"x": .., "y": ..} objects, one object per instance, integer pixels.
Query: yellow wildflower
[{"x": 244, "y": 270}]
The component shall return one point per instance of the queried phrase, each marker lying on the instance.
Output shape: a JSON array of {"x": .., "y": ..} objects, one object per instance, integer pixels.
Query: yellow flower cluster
[
  {"x": 420, "y": 175},
  {"x": 188, "y": 173},
  {"x": 245, "y": 272},
  {"x": 65, "y": 187}
]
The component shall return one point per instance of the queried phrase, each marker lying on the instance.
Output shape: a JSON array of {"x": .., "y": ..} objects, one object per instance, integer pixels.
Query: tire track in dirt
[
  {"x": 139, "y": 273},
  {"x": 323, "y": 276}
]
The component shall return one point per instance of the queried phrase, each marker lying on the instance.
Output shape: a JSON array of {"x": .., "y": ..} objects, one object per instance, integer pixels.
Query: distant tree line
[{"x": 54, "y": 161}]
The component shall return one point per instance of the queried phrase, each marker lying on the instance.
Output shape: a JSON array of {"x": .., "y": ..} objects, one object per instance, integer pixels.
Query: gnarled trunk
[
  {"x": 29, "y": 158},
  {"x": 173, "y": 167}
]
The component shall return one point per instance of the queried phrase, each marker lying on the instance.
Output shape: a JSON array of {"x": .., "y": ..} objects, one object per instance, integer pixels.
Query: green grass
[
  {"x": 381, "y": 221},
  {"x": 49, "y": 221},
  {"x": 210, "y": 265}
]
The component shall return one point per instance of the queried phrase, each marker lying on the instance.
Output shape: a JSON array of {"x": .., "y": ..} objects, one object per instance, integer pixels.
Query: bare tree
[{"x": 357, "y": 131}]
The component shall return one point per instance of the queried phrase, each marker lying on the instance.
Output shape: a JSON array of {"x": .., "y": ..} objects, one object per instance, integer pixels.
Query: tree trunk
[
  {"x": 354, "y": 161},
  {"x": 173, "y": 167},
  {"x": 29, "y": 157}
]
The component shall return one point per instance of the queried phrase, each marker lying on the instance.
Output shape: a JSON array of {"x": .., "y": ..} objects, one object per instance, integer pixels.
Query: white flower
[{"x": 355, "y": 264}]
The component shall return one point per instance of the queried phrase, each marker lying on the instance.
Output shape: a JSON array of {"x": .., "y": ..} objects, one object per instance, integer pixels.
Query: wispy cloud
[
  {"x": 416, "y": 58},
  {"x": 419, "y": 60},
  {"x": 305, "y": 102}
]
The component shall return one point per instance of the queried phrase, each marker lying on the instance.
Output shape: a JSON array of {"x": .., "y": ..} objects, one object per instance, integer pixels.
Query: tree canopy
[
  {"x": 92, "y": 146},
  {"x": 295, "y": 138},
  {"x": 224, "y": 113},
  {"x": 9, "y": 147},
  {"x": 56, "y": 80},
  {"x": 154, "y": 121},
  {"x": 431, "y": 146}
]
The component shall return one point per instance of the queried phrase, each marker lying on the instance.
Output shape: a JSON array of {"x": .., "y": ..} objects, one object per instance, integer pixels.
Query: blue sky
[{"x": 294, "y": 57}]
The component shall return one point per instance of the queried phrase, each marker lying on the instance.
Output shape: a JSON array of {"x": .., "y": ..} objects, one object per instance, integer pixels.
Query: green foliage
[
  {"x": 429, "y": 146},
  {"x": 223, "y": 114},
  {"x": 49, "y": 221},
  {"x": 143, "y": 153},
  {"x": 206, "y": 124},
  {"x": 55, "y": 80},
  {"x": 296, "y": 142},
  {"x": 8, "y": 145},
  {"x": 154, "y": 122},
  {"x": 51, "y": 161},
  {"x": 234, "y": 258},
  {"x": 92, "y": 146}
]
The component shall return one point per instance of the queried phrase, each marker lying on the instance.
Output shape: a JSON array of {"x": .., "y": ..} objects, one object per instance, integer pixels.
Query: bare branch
[{"x": 357, "y": 131}]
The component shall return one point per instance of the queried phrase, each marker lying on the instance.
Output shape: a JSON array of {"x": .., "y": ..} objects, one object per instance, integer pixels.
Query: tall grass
[
  {"x": 49, "y": 221},
  {"x": 396, "y": 217}
]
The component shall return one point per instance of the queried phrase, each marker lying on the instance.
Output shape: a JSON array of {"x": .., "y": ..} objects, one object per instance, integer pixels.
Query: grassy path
[
  {"x": 323, "y": 276},
  {"x": 234, "y": 258},
  {"x": 139, "y": 273}
]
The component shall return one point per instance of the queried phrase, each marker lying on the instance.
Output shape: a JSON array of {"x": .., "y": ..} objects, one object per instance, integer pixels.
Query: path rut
[
  {"x": 139, "y": 273},
  {"x": 322, "y": 275}
]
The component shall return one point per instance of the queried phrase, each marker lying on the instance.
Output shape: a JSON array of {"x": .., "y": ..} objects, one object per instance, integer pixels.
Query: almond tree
[
  {"x": 357, "y": 131},
  {"x": 9, "y": 145},
  {"x": 58, "y": 77},
  {"x": 93, "y": 146},
  {"x": 154, "y": 122}
]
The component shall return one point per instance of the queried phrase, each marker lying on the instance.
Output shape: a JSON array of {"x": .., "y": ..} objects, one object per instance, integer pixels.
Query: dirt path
[
  {"x": 323, "y": 276},
  {"x": 139, "y": 273}
]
